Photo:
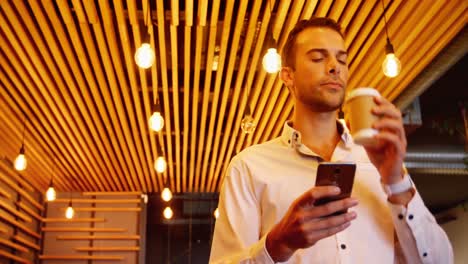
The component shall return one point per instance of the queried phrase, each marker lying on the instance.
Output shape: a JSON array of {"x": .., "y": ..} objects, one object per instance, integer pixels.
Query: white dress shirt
[{"x": 263, "y": 180}]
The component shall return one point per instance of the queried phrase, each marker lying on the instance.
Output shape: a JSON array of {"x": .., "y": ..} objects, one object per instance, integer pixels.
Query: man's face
[{"x": 321, "y": 71}]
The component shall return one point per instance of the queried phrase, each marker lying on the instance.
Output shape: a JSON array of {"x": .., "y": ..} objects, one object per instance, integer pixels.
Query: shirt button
[
  {"x": 343, "y": 246},
  {"x": 400, "y": 216},
  {"x": 410, "y": 217},
  {"x": 425, "y": 254}
]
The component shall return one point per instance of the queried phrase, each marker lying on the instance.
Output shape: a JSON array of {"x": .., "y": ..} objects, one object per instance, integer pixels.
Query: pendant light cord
[
  {"x": 24, "y": 128},
  {"x": 385, "y": 18}
]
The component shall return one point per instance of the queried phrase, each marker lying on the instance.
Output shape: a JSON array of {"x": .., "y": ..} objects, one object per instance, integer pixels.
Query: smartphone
[{"x": 335, "y": 174}]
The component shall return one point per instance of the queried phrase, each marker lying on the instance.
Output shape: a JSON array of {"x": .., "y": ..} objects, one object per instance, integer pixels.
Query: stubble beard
[{"x": 324, "y": 103}]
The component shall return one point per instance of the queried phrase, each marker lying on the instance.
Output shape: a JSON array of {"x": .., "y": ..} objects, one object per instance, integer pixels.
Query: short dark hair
[{"x": 288, "y": 56}]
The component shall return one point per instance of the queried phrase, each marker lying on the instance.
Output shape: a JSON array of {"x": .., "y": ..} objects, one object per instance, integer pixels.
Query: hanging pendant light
[
  {"x": 271, "y": 60},
  {"x": 20, "y": 161},
  {"x": 70, "y": 212},
  {"x": 51, "y": 194},
  {"x": 391, "y": 65},
  {"x": 168, "y": 213},
  {"x": 248, "y": 124},
  {"x": 160, "y": 164},
  {"x": 156, "y": 121},
  {"x": 166, "y": 194},
  {"x": 144, "y": 55}
]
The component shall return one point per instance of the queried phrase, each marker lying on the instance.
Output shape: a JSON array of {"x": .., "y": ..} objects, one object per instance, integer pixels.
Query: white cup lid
[{"x": 363, "y": 91}]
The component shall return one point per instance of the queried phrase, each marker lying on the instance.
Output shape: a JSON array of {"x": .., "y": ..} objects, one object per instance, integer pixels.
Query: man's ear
[{"x": 287, "y": 75}]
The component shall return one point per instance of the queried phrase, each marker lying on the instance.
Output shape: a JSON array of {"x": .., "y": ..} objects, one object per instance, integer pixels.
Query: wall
[
  {"x": 20, "y": 217},
  {"x": 457, "y": 231},
  {"x": 117, "y": 216}
]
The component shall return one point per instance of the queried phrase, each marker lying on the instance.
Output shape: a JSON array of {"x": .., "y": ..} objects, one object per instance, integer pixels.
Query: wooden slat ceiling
[{"x": 68, "y": 67}]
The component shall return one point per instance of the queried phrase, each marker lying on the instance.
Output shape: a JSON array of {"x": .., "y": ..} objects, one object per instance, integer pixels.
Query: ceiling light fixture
[
  {"x": 271, "y": 60},
  {"x": 20, "y": 161},
  {"x": 144, "y": 55},
  {"x": 391, "y": 66},
  {"x": 156, "y": 121},
  {"x": 168, "y": 213},
  {"x": 248, "y": 124},
  {"x": 70, "y": 212},
  {"x": 51, "y": 194}
]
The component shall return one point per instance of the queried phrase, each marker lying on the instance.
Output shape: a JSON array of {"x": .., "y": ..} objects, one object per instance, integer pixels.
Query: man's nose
[{"x": 333, "y": 66}]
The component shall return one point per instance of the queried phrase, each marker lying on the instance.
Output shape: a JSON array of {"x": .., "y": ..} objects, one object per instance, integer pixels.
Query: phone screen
[{"x": 336, "y": 174}]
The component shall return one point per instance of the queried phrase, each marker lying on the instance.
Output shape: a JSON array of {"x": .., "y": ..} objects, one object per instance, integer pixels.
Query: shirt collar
[{"x": 292, "y": 138}]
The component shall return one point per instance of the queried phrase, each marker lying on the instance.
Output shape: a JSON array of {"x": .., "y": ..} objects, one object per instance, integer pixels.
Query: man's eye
[
  {"x": 342, "y": 62},
  {"x": 317, "y": 59}
]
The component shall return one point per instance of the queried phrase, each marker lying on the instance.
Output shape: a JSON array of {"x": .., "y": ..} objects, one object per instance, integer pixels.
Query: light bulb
[
  {"x": 391, "y": 66},
  {"x": 156, "y": 121},
  {"x": 144, "y": 56},
  {"x": 271, "y": 61},
  {"x": 168, "y": 213},
  {"x": 20, "y": 162},
  {"x": 216, "y": 213},
  {"x": 160, "y": 165},
  {"x": 166, "y": 194},
  {"x": 51, "y": 194},
  {"x": 69, "y": 213},
  {"x": 248, "y": 124}
]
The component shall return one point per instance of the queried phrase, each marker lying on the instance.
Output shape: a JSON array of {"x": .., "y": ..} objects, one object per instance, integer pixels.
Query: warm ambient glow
[
  {"x": 216, "y": 213},
  {"x": 248, "y": 124},
  {"x": 20, "y": 161},
  {"x": 271, "y": 61},
  {"x": 156, "y": 121},
  {"x": 160, "y": 164},
  {"x": 144, "y": 56},
  {"x": 168, "y": 213},
  {"x": 166, "y": 194},
  {"x": 391, "y": 66},
  {"x": 69, "y": 213},
  {"x": 51, "y": 194}
]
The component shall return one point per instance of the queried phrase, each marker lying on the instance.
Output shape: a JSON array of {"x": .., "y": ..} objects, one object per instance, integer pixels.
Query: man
[{"x": 267, "y": 211}]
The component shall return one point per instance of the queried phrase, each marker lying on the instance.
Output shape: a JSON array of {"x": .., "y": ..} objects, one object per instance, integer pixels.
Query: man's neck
[{"x": 319, "y": 131}]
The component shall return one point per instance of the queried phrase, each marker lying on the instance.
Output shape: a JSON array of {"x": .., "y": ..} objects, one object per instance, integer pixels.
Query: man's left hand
[{"x": 388, "y": 154}]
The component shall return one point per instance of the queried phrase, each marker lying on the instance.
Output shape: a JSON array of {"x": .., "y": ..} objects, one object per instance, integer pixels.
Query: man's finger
[{"x": 308, "y": 198}]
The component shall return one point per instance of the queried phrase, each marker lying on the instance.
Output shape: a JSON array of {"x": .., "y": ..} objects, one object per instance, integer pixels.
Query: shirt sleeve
[
  {"x": 236, "y": 236},
  {"x": 420, "y": 238}
]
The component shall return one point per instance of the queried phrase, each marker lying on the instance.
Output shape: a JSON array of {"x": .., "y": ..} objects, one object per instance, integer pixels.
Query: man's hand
[
  {"x": 304, "y": 224},
  {"x": 387, "y": 156}
]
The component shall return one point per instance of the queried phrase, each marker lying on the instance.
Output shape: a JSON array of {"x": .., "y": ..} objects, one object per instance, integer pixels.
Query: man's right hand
[{"x": 304, "y": 224}]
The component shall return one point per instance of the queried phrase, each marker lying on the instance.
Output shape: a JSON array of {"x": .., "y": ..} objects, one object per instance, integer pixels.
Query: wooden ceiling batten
[
  {"x": 86, "y": 105},
  {"x": 41, "y": 91},
  {"x": 202, "y": 166},
  {"x": 88, "y": 70},
  {"x": 69, "y": 65},
  {"x": 169, "y": 174},
  {"x": 23, "y": 105},
  {"x": 239, "y": 88},
  {"x": 435, "y": 38},
  {"x": 142, "y": 117},
  {"x": 239, "y": 25},
  {"x": 175, "y": 98},
  {"x": 120, "y": 90},
  {"x": 215, "y": 118}
]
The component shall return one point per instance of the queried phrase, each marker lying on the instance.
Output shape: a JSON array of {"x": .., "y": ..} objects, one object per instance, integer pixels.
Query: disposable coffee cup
[{"x": 358, "y": 107}]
